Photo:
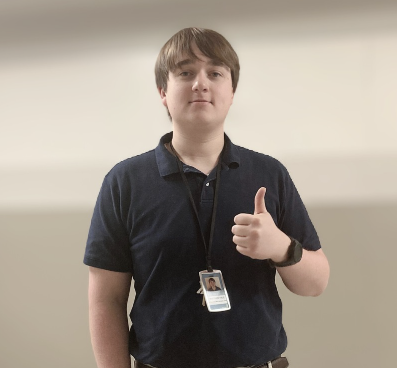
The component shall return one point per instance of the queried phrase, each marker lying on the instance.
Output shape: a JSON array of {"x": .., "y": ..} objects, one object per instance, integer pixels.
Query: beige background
[{"x": 317, "y": 90}]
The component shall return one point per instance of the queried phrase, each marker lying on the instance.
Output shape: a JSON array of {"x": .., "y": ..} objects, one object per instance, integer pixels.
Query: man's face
[
  {"x": 212, "y": 284},
  {"x": 198, "y": 91}
]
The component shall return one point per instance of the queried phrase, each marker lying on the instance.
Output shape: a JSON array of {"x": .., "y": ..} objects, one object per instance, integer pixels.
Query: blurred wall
[{"x": 317, "y": 91}]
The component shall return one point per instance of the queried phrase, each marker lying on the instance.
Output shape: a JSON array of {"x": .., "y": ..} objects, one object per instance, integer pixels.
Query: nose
[{"x": 200, "y": 83}]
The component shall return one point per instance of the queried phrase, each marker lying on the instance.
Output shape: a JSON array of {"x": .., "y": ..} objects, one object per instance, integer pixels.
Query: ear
[{"x": 163, "y": 96}]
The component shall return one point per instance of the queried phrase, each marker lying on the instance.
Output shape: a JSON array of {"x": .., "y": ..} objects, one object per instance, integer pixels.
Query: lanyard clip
[{"x": 209, "y": 267}]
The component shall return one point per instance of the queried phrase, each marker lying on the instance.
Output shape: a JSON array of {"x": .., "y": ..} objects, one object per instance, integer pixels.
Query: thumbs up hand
[{"x": 257, "y": 236}]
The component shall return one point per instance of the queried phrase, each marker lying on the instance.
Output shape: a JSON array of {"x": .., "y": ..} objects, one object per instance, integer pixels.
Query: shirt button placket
[{"x": 207, "y": 194}]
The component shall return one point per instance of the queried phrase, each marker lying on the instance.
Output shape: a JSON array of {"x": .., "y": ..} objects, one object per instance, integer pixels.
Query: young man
[{"x": 197, "y": 203}]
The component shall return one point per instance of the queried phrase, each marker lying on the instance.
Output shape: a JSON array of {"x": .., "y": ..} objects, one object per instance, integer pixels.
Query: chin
[{"x": 199, "y": 121}]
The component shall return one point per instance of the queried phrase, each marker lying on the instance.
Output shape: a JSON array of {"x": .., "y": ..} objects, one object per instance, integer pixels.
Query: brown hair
[{"x": 210, "y": 43}]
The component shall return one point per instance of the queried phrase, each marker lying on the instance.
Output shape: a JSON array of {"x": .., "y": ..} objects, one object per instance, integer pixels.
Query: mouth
[{"x": 200, "y": 101}]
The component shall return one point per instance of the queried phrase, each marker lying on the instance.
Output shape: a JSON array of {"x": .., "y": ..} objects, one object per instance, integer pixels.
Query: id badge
[{"x": 214, "y": 290}]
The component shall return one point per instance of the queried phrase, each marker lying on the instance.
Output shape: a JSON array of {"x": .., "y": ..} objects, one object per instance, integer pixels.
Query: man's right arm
[{"x": 108, "y": 293}]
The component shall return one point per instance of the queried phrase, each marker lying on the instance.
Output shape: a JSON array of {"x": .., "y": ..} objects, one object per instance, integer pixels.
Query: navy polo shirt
[{"x": 144, "y": 223}]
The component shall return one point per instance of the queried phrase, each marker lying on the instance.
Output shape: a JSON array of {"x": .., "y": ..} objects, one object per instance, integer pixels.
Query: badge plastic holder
[{"x": 214, "y": 290}]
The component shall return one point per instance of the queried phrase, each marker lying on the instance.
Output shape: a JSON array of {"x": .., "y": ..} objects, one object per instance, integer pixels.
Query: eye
[
  {"x": 184, "y": 74},
  {"x": 216, "y": 74}
]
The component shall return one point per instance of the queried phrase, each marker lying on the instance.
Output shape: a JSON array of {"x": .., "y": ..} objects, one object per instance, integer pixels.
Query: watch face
[{"x": 297, "y": 251}]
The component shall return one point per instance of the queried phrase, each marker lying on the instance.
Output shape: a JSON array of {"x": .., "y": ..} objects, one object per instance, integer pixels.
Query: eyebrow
[{"x": 190, "y": 61}]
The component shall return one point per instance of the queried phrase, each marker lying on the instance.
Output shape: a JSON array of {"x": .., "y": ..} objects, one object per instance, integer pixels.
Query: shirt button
[{"x": 207, "y": 185}]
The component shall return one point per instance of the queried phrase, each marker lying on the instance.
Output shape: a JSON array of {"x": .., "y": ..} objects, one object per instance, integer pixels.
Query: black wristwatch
[{"x": 294, "y": 255}]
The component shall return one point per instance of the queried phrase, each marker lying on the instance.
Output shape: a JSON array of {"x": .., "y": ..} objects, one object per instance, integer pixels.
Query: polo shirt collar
[{"x": 167, "y": 164}]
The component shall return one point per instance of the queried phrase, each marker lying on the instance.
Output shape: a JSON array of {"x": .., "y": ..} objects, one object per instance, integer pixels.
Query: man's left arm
[
  {"x": 258, "y": 237},
  {"x": 309, "y": 277}
]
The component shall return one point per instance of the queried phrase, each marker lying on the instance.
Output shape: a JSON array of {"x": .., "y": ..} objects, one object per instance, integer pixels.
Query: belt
[{"x": 280, "y": 362}]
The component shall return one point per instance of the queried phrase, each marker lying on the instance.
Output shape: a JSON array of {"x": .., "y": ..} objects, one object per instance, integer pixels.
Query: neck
[{"x": 201, "y": 151}]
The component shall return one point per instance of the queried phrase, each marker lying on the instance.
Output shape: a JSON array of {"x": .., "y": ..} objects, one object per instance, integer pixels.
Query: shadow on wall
[{"x": 44, "y": 291}]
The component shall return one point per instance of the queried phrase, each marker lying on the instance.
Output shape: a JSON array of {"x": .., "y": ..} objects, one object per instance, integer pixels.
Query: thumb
[{"x": 260, "y": 206}]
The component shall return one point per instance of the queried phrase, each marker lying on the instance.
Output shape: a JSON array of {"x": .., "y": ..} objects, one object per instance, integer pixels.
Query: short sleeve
[
  {"x": 294, "y": 220},
  {"x": 108, "y": 245}
]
